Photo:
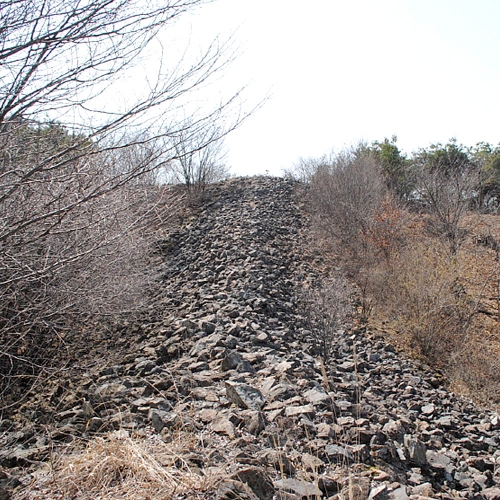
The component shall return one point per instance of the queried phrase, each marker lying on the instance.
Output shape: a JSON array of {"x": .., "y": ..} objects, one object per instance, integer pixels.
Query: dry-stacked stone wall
[{"x": 234, "y": 362}]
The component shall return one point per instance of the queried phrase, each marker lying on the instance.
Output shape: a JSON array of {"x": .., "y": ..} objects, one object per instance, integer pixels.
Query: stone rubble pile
[{"x": 234, "y": 362}]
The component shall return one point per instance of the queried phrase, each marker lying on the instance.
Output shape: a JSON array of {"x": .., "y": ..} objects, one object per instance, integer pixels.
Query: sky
[{"x": 334, "y": 72}]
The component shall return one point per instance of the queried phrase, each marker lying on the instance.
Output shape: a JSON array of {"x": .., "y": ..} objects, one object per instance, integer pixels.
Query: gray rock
[
  {"x": 254, "y": 422},
  {"x": 231, "y": 490},
  {"x": 244, "y": 395},
  {"x": 302, "y": 489},
  {"x": 428, "y": 409},
  {"x": 208, "y": 327},
  {"x": 379, "y": 493},
  {"x": 311, "y": 462},
  {"x": 234, "y": 361},
  {"x": 144, "y": 367},
  {"x": 423, "y": 490},
  {"x": 95, "y": 424},
  {"x": 437, "y": 460},
  {"x": 258, "y": 480},
  {"x": 338, "y": 453},
  {"x": 161, "y": 419},
  {"x": 110, "y": 389},
  {"x": 394, "y": 430},
  {"x": 279, "y": 461},
  {"x": 293, "y": 411},
  {"x": 399, "y": 494},
  {"x": 416, "y": 450},
  {"x": 317, "y": 396},
  {"x": 222, "y": 425}
]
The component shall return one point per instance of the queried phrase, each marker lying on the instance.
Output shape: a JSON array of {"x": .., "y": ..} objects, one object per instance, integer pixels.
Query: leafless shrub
[
  {"x": 346, "y": 195},
  {"x": 305, "y": 168},
  {"x": 75, "y": 268},
  {"x": 411, "y": 268},
  {"x": 445, "y": 183},
  {"x": 200, "y": 157},
  {"x": 427, "y": 302},
  {"x": 327, "y": 310},
  {"x": 74, "y": 246},
  {"x": 77, "y": 195}
]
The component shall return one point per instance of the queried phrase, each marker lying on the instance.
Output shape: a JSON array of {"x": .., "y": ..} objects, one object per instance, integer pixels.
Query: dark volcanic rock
[{"x": 234, "y": 362}]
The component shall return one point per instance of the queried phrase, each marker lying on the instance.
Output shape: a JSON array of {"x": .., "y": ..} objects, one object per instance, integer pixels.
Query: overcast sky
[{"x": 341, "y": 71}]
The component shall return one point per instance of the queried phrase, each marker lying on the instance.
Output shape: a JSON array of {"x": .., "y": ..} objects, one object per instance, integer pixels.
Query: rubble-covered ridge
[{"x": 234, "y": 363}]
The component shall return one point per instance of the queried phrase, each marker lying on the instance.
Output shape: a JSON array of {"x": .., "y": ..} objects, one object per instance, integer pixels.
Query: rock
[
  {"x": 325, "y": 430},
  {"x": 491, "y": 493},
  {"x": 244, "y": 395},
  {"x": 423, "y": 490},
  {"x": 357, "y": 488},
  {"x": 399, "y": 494},
  {"x": 428, "y": 409},
  {"x": 329, "y": 485},
  {"x": 338, "y": 453},
  {"x": 208, "y": 327},
  {"x": 222, "y": 425},
  {"x": 317, "y": 396},
  {"x": 88, "y": 410},
  {"x": 281, "y": 392},
  {"x": 311, "y": 462},
  {"x": 416, "y": 450},
  {"x": 144, "y": 367},
  {"x": 161, "y": 419},
  {"x": 258, "y": 480},
  {"x": 23, "y": 456},
  {"x": 110, "y": 389},
  {"x": 437, "y": 460},
  {"x": 302, "y": 489},
  {"x": 279, "y": 461},
  {"x": 379, "y": 493},
  {"x": 234, "y": 361},
  {"x": 293, "y": 411},
  {"x": 254, "y": 422},
  {"x": 231, "y": 490},
  {"x": 394, "y": 430},
  {"x": 7, "y": 486},
  {"x": 95, "y": 424}
]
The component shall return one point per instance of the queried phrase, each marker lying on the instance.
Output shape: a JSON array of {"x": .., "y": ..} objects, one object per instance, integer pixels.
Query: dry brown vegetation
[
  {"x": 122, "y": 467},
  {"x": 435, "y": 292},
  {"x": 80, "y": 201}
]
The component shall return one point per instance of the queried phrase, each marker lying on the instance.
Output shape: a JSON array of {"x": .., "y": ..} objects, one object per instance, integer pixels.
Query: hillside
[{"x": 224, "y": 394}]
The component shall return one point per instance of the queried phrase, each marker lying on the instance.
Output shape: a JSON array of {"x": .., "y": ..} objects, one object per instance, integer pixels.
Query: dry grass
[
  {"x": 439, "y": 305},
  {"x": 121, "y": 467},
  {"x": 445, "y": 307}
]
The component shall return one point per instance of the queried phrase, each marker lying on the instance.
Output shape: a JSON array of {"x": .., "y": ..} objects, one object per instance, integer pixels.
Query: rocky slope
[{"x": 234, "y": 363}]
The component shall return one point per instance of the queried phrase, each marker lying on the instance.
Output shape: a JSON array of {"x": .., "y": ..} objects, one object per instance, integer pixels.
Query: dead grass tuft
[{"x": 121, "y": 467}]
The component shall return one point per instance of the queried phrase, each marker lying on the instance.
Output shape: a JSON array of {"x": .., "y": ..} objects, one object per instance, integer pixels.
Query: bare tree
[
  {"x": 200, "y": 156},
  {"x": 74, "y": 160},
  {"x": 304, "y": 169},
  {"x": 347, "y": 193},
  {"x": 445, "y": 181}
]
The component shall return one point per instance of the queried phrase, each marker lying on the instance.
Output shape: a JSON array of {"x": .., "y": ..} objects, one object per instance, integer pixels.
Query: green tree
[
  {"x": 394, "y": 166},
  {"x": 487, "y": 160}
]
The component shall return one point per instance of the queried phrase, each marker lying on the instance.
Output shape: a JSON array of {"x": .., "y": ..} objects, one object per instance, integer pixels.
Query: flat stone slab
[
  {"x": 292, "y": 411},
  {"x": 302, "y": 489},
  {"x": 244, "y": 395}
]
